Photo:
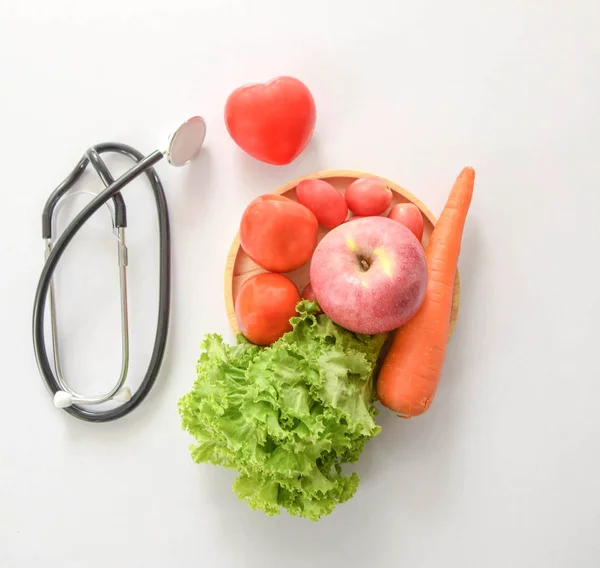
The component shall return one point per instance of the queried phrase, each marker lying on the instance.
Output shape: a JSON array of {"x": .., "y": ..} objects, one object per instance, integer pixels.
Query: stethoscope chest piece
[{"x": 184, "y": 145}]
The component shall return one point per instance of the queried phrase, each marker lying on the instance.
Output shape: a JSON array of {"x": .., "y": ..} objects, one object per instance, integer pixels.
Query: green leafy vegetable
[{"x": 287, "y": 416}]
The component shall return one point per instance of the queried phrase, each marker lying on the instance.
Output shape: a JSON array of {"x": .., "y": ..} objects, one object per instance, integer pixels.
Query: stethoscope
[{"x": 183, "y": 146}]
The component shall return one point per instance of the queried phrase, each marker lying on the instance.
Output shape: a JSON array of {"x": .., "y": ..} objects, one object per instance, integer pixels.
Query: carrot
[{"x": 411, "y": 370}]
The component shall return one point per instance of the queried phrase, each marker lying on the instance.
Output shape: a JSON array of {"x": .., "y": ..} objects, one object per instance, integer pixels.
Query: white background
[{"x": 504, "y": 469}]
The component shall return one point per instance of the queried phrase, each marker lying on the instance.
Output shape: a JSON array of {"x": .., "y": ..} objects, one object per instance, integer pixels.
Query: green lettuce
[{"x": 287, "y": 416}]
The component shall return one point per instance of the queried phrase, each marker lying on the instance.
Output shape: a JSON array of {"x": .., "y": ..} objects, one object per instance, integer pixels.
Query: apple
[{"x": 369, "y": 276}]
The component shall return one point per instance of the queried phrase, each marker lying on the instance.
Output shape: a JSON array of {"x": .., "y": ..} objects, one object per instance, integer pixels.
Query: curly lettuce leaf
[{"x": 287, "y": 416}]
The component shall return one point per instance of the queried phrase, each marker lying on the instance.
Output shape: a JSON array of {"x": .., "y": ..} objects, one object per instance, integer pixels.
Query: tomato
[
  {"x": 324, "y": 200},
  {"x": 368, "y": 196},
  {"x": 410, "y": 216},
  {"x": 264, "y": 306},
  {"x": 309, "y": 294},
  {"x": 272, "y": 122},
  {"x": 354, "y": 217},
  {"x": 278, "y": 233}
]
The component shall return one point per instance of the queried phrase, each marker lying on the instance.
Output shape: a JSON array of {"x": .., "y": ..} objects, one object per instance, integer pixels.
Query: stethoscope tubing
[{"x": 143, "y": 165}]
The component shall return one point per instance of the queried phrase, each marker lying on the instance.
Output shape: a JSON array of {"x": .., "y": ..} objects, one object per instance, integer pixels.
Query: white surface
[{"x": 504, "y": 468}]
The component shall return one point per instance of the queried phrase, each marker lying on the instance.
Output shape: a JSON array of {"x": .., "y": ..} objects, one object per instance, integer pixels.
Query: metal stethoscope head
[
  {"x": 183, "y": 146},
  {"x": 186, "y": 142}
]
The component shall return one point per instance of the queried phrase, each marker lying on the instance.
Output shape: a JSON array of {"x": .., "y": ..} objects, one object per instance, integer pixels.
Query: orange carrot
[{"x": 411, "y": 370}]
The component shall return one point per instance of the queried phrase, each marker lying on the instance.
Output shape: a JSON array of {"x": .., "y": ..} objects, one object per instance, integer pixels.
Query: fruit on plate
[
  {"x": 369, "y": 276},
  {"x": 368, "y": 196},
  {"x": 324, "y": 200},
  {"x": 272, "y": 122},
  {"x": 278, "y": 233},
  {"x": 264, "y": 306},
  {"x": 410, "y": 216},
  {"x": 308, "y": 293}
]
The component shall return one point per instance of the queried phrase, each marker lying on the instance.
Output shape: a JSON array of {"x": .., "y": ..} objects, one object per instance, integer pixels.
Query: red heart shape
[{"x": 273, "y": 121}]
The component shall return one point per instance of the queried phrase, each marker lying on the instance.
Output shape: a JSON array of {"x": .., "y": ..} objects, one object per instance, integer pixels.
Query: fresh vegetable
[
  {"x": 411, "y": 371},
  {"x": 324, "y": 200},
  {"x": 288, "y": 416},
  {"x": 369, "y": 276},
  {"x": 272, "y": 122},
  {"x": 264, "y": 305},
  {"x": 410, "y": 216},
  {"x": 278, "y": 233},
  {"x": 309, "y": 294},
  {"x": 368, "y": 196}
]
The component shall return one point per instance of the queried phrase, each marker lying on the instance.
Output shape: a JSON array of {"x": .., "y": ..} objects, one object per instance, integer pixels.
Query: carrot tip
[{"x": 467, "y": 172}]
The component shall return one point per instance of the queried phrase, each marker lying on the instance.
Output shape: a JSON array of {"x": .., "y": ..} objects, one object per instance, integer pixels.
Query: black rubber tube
[
  {"x": 71, "y": 180},
  {"x": 143, "y": 165},
  {"x": 107, "y": 179}
]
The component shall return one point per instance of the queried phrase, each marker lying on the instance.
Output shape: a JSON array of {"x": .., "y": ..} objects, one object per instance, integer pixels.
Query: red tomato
[
  {"x": 410, "y": 216},
  {"x": 309, "y": 294},
  {"x": 278, "y": 233},
  {"x": 368, "y": 196},
  {"x": 324, "y": 200},
  {"x": 273, "y": 121},
  {"x": 264, "y": 306}
]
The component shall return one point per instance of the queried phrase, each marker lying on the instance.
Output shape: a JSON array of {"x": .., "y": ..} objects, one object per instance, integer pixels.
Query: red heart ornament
[{"x": 272, "y": 122}]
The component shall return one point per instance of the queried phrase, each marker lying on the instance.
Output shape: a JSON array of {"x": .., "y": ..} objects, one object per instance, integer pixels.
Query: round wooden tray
[{"x": 239, "y": 267}]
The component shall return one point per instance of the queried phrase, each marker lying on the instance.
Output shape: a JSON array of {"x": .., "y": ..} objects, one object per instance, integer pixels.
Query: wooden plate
[{"x": 239, "y": 267}]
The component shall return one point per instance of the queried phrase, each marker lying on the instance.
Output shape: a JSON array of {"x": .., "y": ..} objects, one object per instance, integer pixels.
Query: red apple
[{"x": 369, "y": 276}]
